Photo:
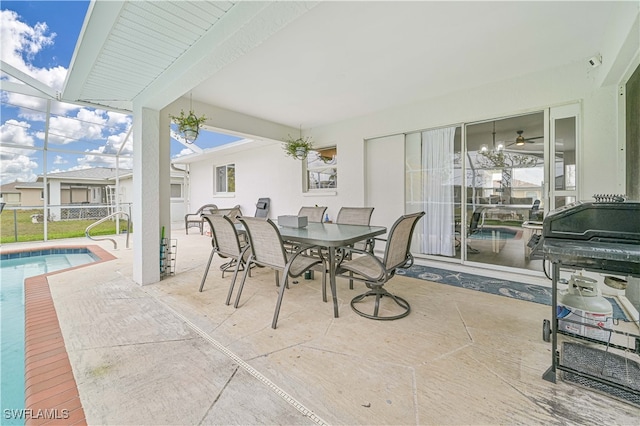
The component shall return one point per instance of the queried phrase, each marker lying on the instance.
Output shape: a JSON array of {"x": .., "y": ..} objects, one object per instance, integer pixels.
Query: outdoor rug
[{"x": 515, "y": 290}]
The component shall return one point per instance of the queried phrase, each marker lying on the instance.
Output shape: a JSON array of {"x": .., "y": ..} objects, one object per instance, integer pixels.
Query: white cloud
[
  {"x": 16, "y": 167},
  {"x": 94, "y": 159},
  {"x": 20, "y": 43},
  {"x": 16, "y": 132},
  {"x": 183, "y": 152},
  {"x": 59, "y": 160}
]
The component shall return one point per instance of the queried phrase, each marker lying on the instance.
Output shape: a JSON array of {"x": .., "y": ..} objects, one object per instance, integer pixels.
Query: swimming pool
[
  {"x": 494, "y": 233},
  {"x": 14, "y": 269}
]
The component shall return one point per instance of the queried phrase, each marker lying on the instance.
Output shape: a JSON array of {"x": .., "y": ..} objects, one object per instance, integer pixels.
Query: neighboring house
[
  {"x": 10, "y": 194},
  {"x": 93, "y": 186}
]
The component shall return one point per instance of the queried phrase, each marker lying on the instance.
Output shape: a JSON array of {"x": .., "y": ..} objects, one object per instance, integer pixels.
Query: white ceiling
[{"x": 312, "y": 63}]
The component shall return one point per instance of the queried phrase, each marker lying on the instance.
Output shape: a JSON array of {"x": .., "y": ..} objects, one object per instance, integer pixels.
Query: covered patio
[{"x": 167, "y": 354}]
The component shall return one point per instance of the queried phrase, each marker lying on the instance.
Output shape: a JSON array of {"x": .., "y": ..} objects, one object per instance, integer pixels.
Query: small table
[{"x": 331, "y": 236}]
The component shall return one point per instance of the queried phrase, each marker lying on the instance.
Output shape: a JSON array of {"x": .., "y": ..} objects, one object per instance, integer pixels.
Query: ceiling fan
[{"x": 521, "y": 140}]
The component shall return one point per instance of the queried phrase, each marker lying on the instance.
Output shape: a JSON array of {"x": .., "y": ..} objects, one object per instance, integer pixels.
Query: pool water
[
  {"x": 14, "y": 269},
  {"x": 491, "y": 233}
]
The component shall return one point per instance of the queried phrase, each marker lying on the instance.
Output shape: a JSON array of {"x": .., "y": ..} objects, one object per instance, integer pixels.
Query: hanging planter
[
  {"x": 297, "y": 148},
  {"x": 189, "y": 124}
]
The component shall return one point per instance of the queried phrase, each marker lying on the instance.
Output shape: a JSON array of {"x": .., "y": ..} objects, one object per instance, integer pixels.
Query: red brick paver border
[{"x": 51, "y": 393}]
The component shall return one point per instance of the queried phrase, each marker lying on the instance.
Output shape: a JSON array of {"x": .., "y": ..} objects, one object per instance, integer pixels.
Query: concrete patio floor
[{"x": 167, "y": 354}]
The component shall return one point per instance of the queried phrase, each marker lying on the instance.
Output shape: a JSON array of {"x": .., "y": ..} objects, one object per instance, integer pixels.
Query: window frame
[
  {"x": 309, "y": 167},
  {"x": 216, "y": 181}
]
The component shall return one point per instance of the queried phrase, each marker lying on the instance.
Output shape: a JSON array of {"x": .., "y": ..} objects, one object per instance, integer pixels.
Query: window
[
  {"x": 225, "y": 178},
  {"x": 176, "y": 190},
  {"x": 322, "y": 169}
]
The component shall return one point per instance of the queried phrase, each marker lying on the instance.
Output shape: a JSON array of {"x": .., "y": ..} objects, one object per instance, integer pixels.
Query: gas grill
[
  {"x": 600, "y": 236},
  {"x": 594, "y": 235}
]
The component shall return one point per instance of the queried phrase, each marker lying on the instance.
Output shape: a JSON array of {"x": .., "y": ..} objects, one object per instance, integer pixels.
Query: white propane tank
[{"x": 584, "y": 305}]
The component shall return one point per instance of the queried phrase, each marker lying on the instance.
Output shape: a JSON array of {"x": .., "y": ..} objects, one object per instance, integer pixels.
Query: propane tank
[{"x": 583, "y": 304}]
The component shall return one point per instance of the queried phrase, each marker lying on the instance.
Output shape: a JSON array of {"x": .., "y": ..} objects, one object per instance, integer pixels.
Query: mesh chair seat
[{"x": 369, "y": 267}]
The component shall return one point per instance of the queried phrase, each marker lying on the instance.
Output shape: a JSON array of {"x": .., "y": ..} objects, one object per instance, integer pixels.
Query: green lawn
[{"x": 29, "y": 231}]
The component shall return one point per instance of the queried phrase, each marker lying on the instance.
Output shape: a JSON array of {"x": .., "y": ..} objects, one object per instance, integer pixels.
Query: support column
[{"x": 150, "y": 194}]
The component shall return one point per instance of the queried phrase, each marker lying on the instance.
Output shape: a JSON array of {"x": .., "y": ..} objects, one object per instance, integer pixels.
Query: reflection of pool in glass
[
  {"x": 14, "y": 269},
  {"x": 491, "y": 233}
]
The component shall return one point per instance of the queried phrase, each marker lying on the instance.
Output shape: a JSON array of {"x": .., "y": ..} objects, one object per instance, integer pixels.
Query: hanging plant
[
  {"x": 297, "y": 148},
  {"x": 189, "y": 124}
]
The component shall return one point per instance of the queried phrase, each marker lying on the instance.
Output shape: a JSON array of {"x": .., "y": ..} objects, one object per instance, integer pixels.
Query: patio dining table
[
  {"x": 328, "y": 236},
  {"x": 331, "y": 236}
]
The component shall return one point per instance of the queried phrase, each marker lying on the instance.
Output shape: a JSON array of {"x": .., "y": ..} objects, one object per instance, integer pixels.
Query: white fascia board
[{"x": 98, "y": 23}]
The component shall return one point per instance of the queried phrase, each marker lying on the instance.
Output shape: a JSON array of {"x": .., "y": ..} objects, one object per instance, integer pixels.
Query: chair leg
[
  {"x": 233, "y": 282},
  {"x": 279, "y": 303},
  {"x": 244, "y": 278},
  {"x": 206, "y": 271}
]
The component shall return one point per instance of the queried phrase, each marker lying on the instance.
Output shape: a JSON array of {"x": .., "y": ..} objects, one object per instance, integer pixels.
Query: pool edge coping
[{"x": 50, "y": 394}]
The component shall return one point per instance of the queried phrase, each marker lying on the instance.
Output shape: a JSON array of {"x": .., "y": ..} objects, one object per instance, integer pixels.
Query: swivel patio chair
[
  {"x": 375, "y": 272},
  {"x": 194, "y": 219},
  {"x": 267, "y": 249},
  {"x": 225, "y": 242}
]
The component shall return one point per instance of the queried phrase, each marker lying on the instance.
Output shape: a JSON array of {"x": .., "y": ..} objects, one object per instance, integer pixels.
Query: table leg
[{"x": 332, "y": 279}]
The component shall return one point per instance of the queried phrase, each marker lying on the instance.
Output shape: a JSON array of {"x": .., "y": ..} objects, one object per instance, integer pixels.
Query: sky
[{"x": 38, "y": 38}]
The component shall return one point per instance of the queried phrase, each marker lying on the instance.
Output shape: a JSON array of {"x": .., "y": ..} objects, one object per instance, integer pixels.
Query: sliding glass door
[
  {"x": 485, "y": 186},
  {"x": 505, "y": 189}
]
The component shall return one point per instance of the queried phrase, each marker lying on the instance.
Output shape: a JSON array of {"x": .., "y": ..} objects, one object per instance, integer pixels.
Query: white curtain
[{"x": 437, "y": 186}]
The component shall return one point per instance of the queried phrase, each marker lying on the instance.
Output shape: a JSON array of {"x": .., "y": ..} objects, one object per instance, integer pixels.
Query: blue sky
[{"x": 38, "y": 38}]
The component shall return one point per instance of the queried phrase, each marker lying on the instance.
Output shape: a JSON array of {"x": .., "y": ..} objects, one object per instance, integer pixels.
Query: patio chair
[
  {"x": 375, "y": 272},
  {"x": 225, "y": 242},
  {"x": 313, "y": 214},
  {"x": 267, "y": 249},
  {"x": 262, "y": 207},
  {"x": 194, "y": 219}
]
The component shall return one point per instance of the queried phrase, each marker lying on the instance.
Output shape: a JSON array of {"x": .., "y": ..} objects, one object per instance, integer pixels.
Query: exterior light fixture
[{"x": 520, "y": 139}]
